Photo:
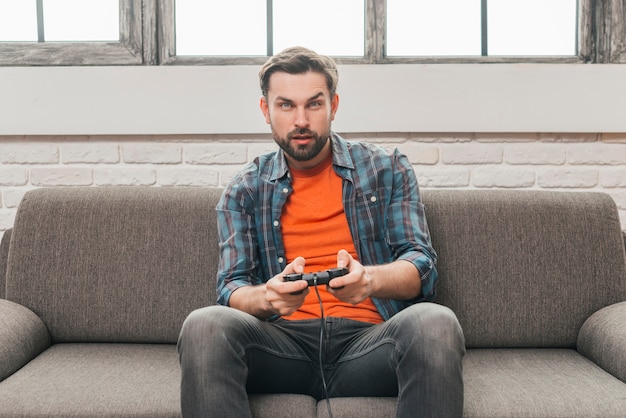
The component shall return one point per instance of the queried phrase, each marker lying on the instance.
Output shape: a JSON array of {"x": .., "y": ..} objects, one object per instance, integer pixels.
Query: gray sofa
[{"x": 95, "y": 283}]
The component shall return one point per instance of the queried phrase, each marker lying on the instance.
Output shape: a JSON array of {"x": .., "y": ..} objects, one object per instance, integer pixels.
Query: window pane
[
  {"x": 329, "y": 27},
  {"x": 532, "y": 27},
  {"x": 18, "y": 21},
  {"x": 219, "y": 27},
  {"x": 79, "y": 20},
  {"x": 426, "y": 27}
]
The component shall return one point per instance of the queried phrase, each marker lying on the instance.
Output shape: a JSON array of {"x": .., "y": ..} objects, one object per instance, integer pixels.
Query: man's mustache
[{"x": 301, "y": 132}]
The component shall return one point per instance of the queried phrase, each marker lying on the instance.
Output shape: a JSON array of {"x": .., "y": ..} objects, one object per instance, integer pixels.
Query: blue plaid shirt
[{"x": 382, "y": 205}]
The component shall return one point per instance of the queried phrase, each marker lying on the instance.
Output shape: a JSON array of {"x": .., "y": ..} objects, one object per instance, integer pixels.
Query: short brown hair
[{"x": 299, "y": 60}]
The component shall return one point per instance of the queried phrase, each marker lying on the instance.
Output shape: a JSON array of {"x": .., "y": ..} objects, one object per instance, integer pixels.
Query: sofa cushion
[
  {"x": 114, "y": 264},
  {"x": 358, "y": 407},
  {"x": 282, "y": 405},
  {"x": 89, "y": 380},
  {"x": 502, "y": 383},
  {"x": 525, "y": 268}
]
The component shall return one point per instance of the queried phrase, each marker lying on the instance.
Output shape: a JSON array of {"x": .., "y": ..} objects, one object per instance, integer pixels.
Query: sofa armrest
[
  {"x": 602, "y": 338},
  {"x": 22, "y": 337}
]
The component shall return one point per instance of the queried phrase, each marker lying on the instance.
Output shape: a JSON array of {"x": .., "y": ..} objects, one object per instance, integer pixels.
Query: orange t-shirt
[{"x": 315, "y": 227}]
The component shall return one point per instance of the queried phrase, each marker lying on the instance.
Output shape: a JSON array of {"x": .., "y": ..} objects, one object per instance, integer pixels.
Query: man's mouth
[{"x": 301, "y": 139}]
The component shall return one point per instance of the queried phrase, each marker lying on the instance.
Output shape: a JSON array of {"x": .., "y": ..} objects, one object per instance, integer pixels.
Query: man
[{"x": 321, "y": 202}]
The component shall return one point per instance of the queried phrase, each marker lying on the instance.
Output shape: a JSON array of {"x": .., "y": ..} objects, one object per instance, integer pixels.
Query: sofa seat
[
  {"x": 142, "y": 380},
  {"x": 539, "y": 382},
  {"x": 139, "y": 380}
]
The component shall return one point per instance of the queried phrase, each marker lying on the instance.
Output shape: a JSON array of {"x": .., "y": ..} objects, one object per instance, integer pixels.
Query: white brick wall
[{"x": 578, "y": 162}]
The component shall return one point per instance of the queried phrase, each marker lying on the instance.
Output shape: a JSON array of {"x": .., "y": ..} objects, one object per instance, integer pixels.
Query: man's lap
[{"x": 359, "y": 359}]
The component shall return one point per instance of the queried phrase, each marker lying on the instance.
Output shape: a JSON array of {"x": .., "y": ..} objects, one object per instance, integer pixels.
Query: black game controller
[{"x": 321, "y": 277}]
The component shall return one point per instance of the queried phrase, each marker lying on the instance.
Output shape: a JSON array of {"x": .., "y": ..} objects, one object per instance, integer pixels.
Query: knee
[
  {"x": 203, "y": 325},
  {"x": 435, "y": 326}
]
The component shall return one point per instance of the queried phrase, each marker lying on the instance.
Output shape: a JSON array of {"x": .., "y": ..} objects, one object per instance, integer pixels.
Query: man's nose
[{"x": 301, "y": 118}]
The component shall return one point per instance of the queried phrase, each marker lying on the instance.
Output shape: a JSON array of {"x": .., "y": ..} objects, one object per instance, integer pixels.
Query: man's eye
[
  {"x": 285, "y": 106},
  {"x": 315, "y": 104}
]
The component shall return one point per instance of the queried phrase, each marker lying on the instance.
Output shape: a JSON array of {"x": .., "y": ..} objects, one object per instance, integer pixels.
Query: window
[
  {"x": 39, "y": 21},
  {"x": 418, "y": 31},
  {"x": 100, "y": 32},
  {"x": 253, "y": 27},
  {"x": 224, "y": 22},
  {"x": 18, "y": 21},
  {"x": 531, "y": 27},
  {"x": 481, "y": 28},
  {"x": 96, "y": 20},
  {"x": 207, "y": 32},
  {"x": 250, "y": 30},
  {"x": 336, "y": 27},
  {"x": 433, "y": 28}
]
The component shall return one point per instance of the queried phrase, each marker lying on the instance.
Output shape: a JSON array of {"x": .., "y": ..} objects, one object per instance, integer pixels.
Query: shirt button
[
  {"x": 275, "y": 223},
  {"x": 280, "y": 260},
  {"x": 373, "y": 199},
  {"x": 285, "y": 190}
]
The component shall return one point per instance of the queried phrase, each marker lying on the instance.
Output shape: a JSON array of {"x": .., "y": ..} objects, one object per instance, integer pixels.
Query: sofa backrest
[
  {"x": 127, "y": 264},
  {"x": 526, "y": 268},
  {"x": 114, "y": 264}
]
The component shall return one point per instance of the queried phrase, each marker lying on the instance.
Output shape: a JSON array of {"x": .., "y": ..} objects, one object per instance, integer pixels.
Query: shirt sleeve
[
  {"x": 408, "y": 229},
  {"x": 236, "y": 231}
]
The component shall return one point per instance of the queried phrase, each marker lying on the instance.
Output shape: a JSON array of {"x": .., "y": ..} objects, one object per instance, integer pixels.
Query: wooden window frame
[
  {"x": 131, "y": 49},
  {"x": 601, "y": 39},
  {"x": 602, "y": 31},
  {"x": 147, "y": 37}
]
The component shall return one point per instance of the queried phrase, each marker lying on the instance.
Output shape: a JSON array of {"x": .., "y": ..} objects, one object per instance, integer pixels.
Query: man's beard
[{"x": 303, "y": 152}]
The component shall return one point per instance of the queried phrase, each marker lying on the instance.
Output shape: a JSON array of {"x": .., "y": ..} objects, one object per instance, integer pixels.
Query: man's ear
[
  {"x": 265, "y": 109},
  {"x": 334, "y": 105}
]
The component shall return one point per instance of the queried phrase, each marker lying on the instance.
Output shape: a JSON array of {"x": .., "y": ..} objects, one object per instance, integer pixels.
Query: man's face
[{"x": 300, "y": 110}]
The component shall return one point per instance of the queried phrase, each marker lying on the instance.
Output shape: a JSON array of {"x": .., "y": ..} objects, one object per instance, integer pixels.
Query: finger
[{"x": 300, "y": 286}]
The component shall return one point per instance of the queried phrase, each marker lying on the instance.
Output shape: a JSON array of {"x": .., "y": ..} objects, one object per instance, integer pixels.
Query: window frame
[
  {"x": 602, "y": 31},
  {"x": 129, "y": 50},
  {"x": 601, "y": 38},
  {"x": 147, "y": 37}
]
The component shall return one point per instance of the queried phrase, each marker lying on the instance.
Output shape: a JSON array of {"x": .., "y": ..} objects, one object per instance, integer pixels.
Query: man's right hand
[
  {"x": 286, "y": 297},
  {"x": 276, "y": 297}
]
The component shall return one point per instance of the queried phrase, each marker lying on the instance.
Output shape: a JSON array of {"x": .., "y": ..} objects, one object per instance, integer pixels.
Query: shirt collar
[{"x": 341, "y": 155}]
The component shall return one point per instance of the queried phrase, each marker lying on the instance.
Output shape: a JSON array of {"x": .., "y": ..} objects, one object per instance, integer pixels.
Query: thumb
[
  {"x": 298, "y": 264},
  {"x": 343, "y": 258}
]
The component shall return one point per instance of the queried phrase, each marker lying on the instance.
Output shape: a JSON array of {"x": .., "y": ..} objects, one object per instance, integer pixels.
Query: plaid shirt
[{"x": 382, "y": 205}]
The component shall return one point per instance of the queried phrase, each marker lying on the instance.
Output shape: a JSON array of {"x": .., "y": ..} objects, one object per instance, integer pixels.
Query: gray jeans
[{"x": 416, "y": 355}]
